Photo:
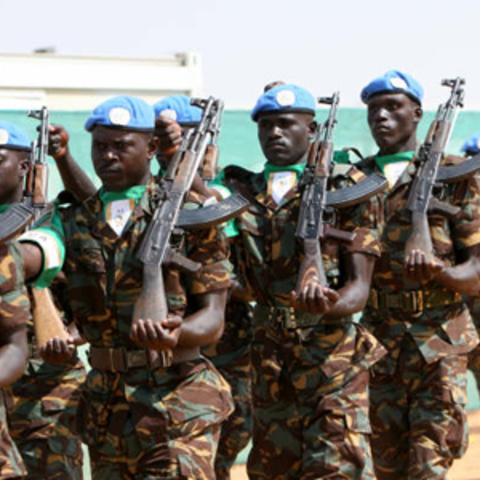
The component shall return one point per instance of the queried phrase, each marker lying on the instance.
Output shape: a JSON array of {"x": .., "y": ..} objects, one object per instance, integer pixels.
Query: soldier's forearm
[
  {"x": 13, "y": 358},
  {"x": 74, "y": 177},
  {"x": 355, "y": 293},
  {"x": 205, "y": 326},
  {"x": 463, "y": 278}
]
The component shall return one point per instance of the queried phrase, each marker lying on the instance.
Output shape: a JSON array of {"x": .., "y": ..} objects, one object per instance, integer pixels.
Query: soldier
[
  {"x": 230, "y": 355},
  {"x": 309, "y": 359},
  {"x": 14, "y": 314},
  {"x": 14, "y": 304},
  {"x": 418, "y": 391},
  {"x": 470, "y": 148},
  {"x": 42, "y": 403},
  {"x": 140, "y": 416}
]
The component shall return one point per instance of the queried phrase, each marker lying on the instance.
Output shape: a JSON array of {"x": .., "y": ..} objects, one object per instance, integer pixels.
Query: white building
[{"x": 67, "y": 82}]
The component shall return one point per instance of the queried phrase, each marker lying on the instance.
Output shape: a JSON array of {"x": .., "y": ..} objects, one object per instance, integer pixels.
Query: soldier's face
[
  {"x": 285, "y": 137},
  {"x": 121, "y": 158},
  {"x": 14, "y": 165},
  {"x": 393, "y": 120}
]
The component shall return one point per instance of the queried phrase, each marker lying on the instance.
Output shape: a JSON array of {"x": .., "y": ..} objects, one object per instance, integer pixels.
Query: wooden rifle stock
[
  {"x": 209, "y": 167},
  {"x": 152, "y": 302},
  {"x": 46, "y": 318},
  {"x": 311, "y": 267}
]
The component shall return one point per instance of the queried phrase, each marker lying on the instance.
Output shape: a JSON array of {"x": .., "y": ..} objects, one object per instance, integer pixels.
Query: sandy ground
[{"x": 468, "y": 468}]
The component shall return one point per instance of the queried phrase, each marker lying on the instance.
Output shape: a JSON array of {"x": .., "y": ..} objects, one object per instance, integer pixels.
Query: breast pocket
[
  {"x": 252, "y": 229},
  {"x": 86, "y": 271}
]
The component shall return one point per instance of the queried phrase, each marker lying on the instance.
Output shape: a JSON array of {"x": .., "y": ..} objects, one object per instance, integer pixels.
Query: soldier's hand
[
  {"x": 273, "y": 84},
  {"x": 170, "y": 135},
  {"x": 58, "y": 350},
  {"x": 155, "y": 335},
  {"x": 315, "y": 299},
  {"x": 419, "y": 268},
  {"x": 57, "y": 141}
]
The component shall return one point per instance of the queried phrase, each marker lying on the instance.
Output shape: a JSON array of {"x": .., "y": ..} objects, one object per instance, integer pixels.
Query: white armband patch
[{"x": 48, "y": 244}]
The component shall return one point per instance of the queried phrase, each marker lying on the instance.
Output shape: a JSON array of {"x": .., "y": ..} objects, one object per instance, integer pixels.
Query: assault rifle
[
  {"x": 17, "y": 218},
  {"x": 317, "y": 199},
  {"x": 46, "y": 318},
  {"x": 429, "y": 174},
  {"x": 208, "y": 168},
  {"x": 156, "y": 248}
]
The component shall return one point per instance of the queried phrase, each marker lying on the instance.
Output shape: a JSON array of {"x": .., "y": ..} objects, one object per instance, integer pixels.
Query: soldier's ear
[
  {"x": 312, "y": 128},
  {"x": 418, "y": 113},
  {"x": 153, "y": 145},
  {"x": 24, "y": 165}
]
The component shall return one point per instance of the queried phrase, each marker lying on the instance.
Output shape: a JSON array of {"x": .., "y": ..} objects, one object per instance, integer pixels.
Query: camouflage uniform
[
  {"x": 140, "y": 419},
  {"x": 232, "y": 358},
  {"x": 417, "y": 392},
  {"x": 474, "y": 355},
  {"x": 310, "y": 376},
  {"x": 14, "y": 312},
  {"x": 41, "y": 408}
]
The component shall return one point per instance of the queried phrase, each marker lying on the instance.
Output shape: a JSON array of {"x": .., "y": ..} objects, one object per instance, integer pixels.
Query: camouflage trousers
[
  {"x": 474, "y": 355},
  {"x": 417, "y": 414},
  {"x": 157, "y": 424},
  {"x": 310, "y": 403},
  {"x": 41, "y": 413},
  {"x": 237, "y": 429},
  {"x": 11, "y": 465}
]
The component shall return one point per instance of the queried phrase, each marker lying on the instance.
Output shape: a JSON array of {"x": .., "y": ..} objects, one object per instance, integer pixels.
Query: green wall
[{"x": 238, "y": 142}]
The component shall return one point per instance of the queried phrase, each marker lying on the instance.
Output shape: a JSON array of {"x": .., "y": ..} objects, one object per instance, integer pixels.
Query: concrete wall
[{"x": 64, "y": 82}]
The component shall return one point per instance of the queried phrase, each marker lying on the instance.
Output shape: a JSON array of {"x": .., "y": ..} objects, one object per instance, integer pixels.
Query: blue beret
[
  {"x": 125, "y": 112},
  {"x": 396, "y": 82},
  {"x": 285, "y": 98},
  {"x": 14, "y": 137},
  {"x": 472, "y": 144},
  {"x": 178, "y": 108}
]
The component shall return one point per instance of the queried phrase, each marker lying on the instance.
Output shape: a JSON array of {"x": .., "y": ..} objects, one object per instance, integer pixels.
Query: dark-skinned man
[
  {"x": 231, "y": 354},
  {"x": 14, "y": 314},
  {"x": 42, "y": 403},
  {"x": 418, "y": 391},
  {"x": 140, "y": 416},
  {"x": 14, "y": 305},
  {"x": 470, "y": 148},
  {"x": 310, "y": 361}
]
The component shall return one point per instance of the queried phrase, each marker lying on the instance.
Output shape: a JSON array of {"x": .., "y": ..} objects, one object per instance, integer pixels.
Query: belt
[
  {"x": 121, "y": 360},
  {"x": 414, "y": 301},
  {"x": 286, "y": 317}
]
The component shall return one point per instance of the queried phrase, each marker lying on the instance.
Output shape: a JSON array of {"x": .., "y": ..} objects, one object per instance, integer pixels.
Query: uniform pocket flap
[{"x": 357, "y": 420}]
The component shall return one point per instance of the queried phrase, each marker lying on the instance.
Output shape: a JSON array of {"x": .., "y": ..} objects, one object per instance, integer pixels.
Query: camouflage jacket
[
  {"x": 271, "y": 252},
  {"x": 237, "y": 333},
  {"x": 442, "y": 330},
  {"x": 105, "y": 278},
  {"x": 14, "y": 304}
]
